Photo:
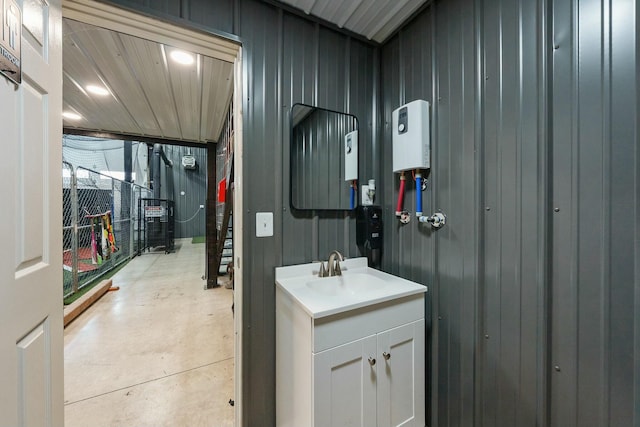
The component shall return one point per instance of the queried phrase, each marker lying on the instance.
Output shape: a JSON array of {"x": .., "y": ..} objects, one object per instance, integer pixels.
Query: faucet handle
[
  {"x": 323, "y": 271},
  {"x": 336, "y": 270}
]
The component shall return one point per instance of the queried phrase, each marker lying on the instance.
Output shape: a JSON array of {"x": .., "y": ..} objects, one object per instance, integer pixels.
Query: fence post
[
  {"x": 132, "y": 226},
  {"x": 74, "y": 234},
  {"x": 140, "y": 215}
]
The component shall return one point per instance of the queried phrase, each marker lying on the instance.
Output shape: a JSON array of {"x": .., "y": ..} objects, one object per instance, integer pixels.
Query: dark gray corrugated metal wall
[
  {"x": 189, "y": 217},
  {"x": 330, "y": 70},
  {"x": 536, "y": 163},
  {"x": 289, "y": 60},
  {"x": 513, "y": 223},
  {"x": 217, "y": 14},
  {"x": 595, "y": 253},
  {"x": 434, "y": 59}
]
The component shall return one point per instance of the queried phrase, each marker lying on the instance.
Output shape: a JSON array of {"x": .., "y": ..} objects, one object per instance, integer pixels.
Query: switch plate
[
  {"x": 366, "y": 200},
  {"x": 264, "y": 224}
]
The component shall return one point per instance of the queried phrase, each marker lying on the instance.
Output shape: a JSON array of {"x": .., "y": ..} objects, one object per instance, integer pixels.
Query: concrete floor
[{"x": 157, "y": 352}]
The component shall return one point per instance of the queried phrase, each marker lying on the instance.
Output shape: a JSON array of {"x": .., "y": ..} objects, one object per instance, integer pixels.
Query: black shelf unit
[{"x": 156, "y": 224}]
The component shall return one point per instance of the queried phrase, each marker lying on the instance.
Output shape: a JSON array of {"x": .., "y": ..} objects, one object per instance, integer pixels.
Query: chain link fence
[{"x": 99, "y": 224}]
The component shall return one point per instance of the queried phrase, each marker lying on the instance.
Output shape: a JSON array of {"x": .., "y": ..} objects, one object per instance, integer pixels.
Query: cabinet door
[
  {"x": 401, "y": 380},
  {"x": 344, "y": 385}
]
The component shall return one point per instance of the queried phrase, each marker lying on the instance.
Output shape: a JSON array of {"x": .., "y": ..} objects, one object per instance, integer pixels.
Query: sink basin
[
  {"x": 359, "y": 286},
  {"x": 347, "y": 284}
]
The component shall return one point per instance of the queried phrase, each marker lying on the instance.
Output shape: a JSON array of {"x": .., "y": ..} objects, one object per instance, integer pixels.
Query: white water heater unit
[{"x": 410, "y": 136}]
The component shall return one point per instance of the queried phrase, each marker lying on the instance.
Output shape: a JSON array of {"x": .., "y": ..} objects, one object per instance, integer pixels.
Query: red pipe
[{"x": 400, "y": 195}]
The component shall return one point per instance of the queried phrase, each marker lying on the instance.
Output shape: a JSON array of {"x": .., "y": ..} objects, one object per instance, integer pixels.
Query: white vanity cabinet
[{"x": 363, "y": 367}]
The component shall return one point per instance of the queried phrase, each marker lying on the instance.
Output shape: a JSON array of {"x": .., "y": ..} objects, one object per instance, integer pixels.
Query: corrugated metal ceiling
[
  {"x": 149, "y": 94},
  {"x": 374, "y": 19}
]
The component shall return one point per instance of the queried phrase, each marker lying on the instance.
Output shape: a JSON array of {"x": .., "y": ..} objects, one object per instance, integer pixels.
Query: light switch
[{"x": 264, "y": 224}]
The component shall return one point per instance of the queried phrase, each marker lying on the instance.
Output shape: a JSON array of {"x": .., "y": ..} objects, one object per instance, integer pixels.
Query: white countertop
[{"x": 301, "y": 283}]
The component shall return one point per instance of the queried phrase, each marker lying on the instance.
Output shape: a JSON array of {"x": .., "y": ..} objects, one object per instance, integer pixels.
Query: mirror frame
[{"x": 357, "y": 124}]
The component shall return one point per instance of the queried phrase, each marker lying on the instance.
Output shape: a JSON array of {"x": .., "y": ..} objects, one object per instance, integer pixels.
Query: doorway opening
[{"x": 148, "y": 116}]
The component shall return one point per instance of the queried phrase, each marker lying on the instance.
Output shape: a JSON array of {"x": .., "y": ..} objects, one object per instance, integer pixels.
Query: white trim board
[{"x": 126, "y": 22}]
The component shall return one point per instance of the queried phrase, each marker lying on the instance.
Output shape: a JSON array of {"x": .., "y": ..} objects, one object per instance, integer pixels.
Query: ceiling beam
[{"x": 129, "y": 137}]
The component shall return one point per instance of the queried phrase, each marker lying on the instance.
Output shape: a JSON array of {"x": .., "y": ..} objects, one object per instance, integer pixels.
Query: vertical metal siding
[
  {"x": 293, "y": 60},
  {"x": 260, "y": 27},
  {"x": 216, "y": 14},
  {"x": 298, "y": 74},
  {"x": 331, "y": 92},
  {"x": 454, "y": 175},
  {"x": 493, "y": 172},
  {"x": 438, "y": 47},
  {"x": 316, "y": 70},
  {"x": 595, "y": 248},
  {"x": 490, "y": 298},
  {"x": 170, "y": 7},
  {"x": 387, "y": 184},
  {"x": 361, "y": 86},
  {"x": 190, "y": 219},
  {"x": 511, "y": 238}
]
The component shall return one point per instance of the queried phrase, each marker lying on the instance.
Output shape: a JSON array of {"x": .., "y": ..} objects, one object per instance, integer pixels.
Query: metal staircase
[{"x": 224, "y": 249}]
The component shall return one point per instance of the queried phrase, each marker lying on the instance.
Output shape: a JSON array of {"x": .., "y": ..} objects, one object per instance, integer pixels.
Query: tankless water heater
[{"x": 410, "y": 136}]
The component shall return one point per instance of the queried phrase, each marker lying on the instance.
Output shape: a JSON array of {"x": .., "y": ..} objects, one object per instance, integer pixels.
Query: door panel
[
  {"x": 401, "y": 379},
  {"x": 34, "y": 371},
  {"x": 31, "y": 176},
  {"x": 36, "y": 14},
  {"x": 345, "y": 385},
  {"x": 31, "y": 360}
]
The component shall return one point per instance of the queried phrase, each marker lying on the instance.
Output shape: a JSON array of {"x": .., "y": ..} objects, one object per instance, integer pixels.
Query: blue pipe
[
  {"x": 418, "y": 195},
  {"x": 353, "y": 197}
]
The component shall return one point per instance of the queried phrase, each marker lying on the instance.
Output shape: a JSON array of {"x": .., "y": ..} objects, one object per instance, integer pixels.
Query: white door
[
  {"x": 31, "y": 346},
  {"x": 344, "y": 389},
  {"x": 401, "y": 381}
]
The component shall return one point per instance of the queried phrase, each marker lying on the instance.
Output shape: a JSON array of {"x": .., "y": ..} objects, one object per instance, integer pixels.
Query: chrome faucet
[{"x": 334, "y": 263}]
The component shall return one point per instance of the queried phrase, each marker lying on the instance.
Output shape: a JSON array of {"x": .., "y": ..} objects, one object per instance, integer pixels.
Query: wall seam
[{"x": 434, "y": 290}]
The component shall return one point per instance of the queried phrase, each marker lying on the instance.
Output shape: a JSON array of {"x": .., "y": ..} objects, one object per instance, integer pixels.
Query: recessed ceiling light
[
  {"x": 182, "y": 57},
  {"x": 97, "y": 90},
  {"x": 71, "y": 115}
]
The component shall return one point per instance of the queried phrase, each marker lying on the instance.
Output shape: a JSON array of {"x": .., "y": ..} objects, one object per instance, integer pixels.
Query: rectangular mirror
[{"x": 321, "y": 142}]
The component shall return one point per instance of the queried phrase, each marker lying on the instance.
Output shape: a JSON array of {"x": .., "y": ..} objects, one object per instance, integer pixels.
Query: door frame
[{"x": 218, "y": 46}]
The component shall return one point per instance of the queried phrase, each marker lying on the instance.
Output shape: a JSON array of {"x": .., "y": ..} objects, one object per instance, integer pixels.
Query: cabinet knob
[
  {"x": 372, "y": 361},
  {"x": 386, "y": 355}
]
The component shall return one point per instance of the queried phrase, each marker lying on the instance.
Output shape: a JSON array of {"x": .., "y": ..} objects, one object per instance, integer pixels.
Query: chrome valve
[{"x": 437, "y": 220}]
